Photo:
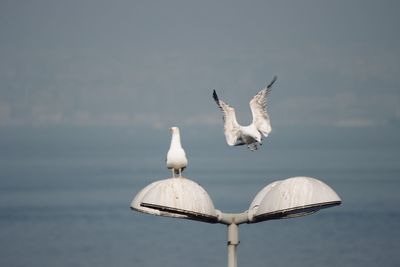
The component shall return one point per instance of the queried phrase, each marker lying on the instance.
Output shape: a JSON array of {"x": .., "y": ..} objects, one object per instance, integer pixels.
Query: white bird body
[
  {"x": 252, "y": 134},
  {"x": 176, "y": 156}
]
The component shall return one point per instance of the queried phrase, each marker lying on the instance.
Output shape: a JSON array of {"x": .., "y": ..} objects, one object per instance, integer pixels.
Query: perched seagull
[
  {"x": 237, "y": 135},
  {"x": 176, "y": 157}
]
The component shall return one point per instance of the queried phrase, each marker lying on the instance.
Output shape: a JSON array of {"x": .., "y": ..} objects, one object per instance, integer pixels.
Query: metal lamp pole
[
  {"x": 233, "y": 242},
  {"x": 232, "y": 220}
]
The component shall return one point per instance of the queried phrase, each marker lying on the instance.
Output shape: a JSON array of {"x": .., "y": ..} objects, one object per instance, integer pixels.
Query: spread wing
[
  {"x": 258, "y": 106},
  {"x": 231, "y": 127}
]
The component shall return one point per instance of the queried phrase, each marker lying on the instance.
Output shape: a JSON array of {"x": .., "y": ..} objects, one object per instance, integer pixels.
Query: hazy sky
[{"x": 155, "y": 63}]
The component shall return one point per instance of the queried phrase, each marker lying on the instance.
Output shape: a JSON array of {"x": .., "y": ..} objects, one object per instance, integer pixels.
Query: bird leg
[
  {"x": 173, "y": 172},
  {"x": 253, "y": 146},
  {"x": 180, "y": 172}
]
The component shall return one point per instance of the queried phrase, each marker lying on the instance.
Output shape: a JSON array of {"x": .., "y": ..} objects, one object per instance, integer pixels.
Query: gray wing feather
[
  {"x": 258, "y": 106},
  {"x": 231, "y": 127}
]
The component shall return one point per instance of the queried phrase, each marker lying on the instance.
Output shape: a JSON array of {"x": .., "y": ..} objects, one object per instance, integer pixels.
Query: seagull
[
  {"x": 251, "y": 135},
  {"x": 176, "y": 156}
]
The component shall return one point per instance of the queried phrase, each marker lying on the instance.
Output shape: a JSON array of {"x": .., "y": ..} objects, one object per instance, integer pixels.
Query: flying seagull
[
  {"x": 251, "y": 135},
  {"x": 176, "y": 156}
]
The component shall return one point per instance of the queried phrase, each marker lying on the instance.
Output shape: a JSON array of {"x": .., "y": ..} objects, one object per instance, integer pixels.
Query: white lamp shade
[
  {"x": 292, "y": 197},
  {"x": 176, "y": 197},
  {"x": 137, "y": 200}
]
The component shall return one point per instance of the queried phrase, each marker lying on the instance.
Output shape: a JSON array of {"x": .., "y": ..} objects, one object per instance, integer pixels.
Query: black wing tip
[
  {"x": 215, "y": 97},
  {"x": 273, "y": 81}
]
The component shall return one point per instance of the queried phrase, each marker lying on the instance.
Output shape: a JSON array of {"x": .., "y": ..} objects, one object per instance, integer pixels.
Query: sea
[{"x": 73, "y": 209}]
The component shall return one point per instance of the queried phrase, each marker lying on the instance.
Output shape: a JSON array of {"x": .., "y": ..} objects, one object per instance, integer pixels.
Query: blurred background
[{"x": 88, "y": 90}]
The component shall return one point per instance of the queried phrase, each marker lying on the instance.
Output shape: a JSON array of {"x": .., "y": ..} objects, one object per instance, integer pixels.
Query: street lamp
[{"x": 185, "y": 199}]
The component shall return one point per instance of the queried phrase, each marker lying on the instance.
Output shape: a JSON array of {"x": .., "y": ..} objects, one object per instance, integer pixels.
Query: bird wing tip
[
  {"x": 272, "y": 81},
  {"x": 215, "y": 96}
]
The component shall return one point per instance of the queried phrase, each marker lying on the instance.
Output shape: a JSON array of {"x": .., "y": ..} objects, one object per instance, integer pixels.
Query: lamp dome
[
  {"x": 292, "y": 197},
  {"x": 176, "y": 197}
]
